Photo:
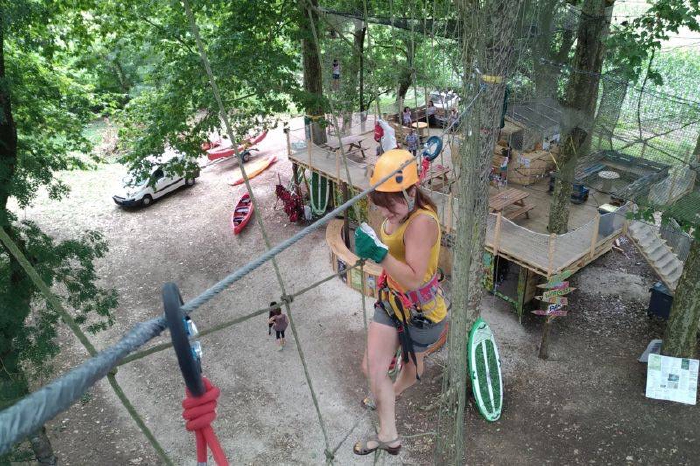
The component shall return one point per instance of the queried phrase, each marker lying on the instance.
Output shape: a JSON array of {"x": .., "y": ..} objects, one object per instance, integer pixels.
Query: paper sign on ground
[
  {"x": 563, "y": 300},
  {"x": 673, "y": 379},
  {"x": 551, "y": 293}
]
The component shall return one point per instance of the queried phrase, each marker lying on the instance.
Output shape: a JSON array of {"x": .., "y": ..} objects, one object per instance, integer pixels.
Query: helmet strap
[{"x": 411, "y": 201}]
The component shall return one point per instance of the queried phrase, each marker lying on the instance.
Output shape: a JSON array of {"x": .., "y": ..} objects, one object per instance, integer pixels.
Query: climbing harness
[{"x": 405, "y": 310}]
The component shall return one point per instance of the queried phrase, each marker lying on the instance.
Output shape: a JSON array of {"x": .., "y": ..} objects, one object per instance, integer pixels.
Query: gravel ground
[{"x": 585, "y": 405}]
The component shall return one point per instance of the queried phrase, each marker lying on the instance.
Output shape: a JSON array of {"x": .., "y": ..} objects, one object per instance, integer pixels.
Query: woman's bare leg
[{"x": 382, "y": 342}]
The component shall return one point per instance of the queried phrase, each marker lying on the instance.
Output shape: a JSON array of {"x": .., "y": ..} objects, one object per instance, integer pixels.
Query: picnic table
[
  {"x": 421, "y": 127},
  {"x": 437, "y": 172},
  {"x": 510, "y": 197},
  {"x": 354, "y": 144}
]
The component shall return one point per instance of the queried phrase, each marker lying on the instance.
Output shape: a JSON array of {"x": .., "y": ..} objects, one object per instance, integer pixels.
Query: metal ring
[
  {"x": 436, "y": 143},
  {"x": 190, "y": 367}
]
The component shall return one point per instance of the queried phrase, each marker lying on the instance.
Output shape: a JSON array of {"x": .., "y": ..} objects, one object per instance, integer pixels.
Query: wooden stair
[{"x": 656, "y": 252}]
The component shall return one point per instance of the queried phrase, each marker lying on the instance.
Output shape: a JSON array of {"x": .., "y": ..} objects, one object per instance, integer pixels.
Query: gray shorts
[{"x": 422, "y": 338}]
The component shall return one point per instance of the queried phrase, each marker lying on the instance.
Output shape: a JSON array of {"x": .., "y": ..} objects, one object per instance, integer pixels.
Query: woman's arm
[{"x": 419, "y": 238}]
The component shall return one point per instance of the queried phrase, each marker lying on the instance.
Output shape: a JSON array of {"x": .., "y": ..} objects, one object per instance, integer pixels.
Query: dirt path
[{"x": 585, "y": 405}]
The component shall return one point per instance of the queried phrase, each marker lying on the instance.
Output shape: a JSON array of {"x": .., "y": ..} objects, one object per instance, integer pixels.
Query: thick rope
[{"x": 200, "y": 412}]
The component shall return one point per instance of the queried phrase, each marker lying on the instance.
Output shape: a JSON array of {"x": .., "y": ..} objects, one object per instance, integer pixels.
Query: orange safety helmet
[{"x": 388, "y": 162}]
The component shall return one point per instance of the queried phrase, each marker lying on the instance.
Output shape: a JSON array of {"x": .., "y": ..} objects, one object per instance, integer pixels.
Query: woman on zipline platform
[{"x": 410, "y": 310}]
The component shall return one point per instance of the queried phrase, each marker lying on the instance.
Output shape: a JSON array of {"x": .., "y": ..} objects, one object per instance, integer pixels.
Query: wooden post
[
  {"x": 337, "y": 168},
  {"x": 544, "y": 343},
  {"x": 310, "y": 141},
  {"x": 346, "y": 217},
  {"x": 289, "y": 142},
  {"x": 594, "y": 236},
  {"x": 550, "y": 254},
  {"x": 497, "y": 235},
  {"x": 295, "y": 179}
]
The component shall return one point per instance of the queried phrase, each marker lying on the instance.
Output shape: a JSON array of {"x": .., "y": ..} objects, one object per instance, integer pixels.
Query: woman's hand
[{"x": 368, "y": 245}]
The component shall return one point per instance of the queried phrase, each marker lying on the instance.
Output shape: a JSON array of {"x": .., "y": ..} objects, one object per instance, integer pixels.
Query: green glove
[{"x": 368, "y": 246}]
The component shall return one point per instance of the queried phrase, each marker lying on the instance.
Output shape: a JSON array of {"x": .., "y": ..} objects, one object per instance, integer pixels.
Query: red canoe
[
  {"x": 241, "y": 214},
  {"x": 226, "y": 150}
]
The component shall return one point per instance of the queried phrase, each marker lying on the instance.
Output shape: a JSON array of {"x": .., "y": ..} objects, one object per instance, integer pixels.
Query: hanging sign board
[
  {"x": 553, "y": 285},
  {"x": 561, "y": 276},
  {"x": 563, "y": 300},
  {"x": 559, "y": 313},
  {"x": 560, "y": 292}
]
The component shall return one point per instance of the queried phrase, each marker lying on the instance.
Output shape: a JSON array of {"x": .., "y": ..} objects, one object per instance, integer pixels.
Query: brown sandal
[{"x": 360, "y": 448}]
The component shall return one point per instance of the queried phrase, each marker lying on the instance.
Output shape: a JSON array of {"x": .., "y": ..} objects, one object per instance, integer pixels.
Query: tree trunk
[
  {"x": 13, "y": 384},
  {"x": 681, "y": 335},
  {"x": 313, "y": 75},
  {"x": 480, "y": 130},
  {"x": 43, "y": 451},
  {"x": 8, "y": 138},
  {"x": 360, "y": 48},
  {"x": 548, "y": 73},
  {"x": 614, "y": 92},
  {"x": 579, "y": 106}
]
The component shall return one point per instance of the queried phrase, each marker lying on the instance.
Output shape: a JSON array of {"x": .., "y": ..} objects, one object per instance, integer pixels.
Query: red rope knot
[{"x": 199, "y": 413}]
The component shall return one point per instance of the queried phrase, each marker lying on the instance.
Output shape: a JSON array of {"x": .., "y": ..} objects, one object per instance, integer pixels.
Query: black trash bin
[{"x": 660, "y": 301}]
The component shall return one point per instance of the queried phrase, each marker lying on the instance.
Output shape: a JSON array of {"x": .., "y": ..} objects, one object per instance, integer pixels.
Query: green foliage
[
  {"x": 68, "y": 266},
  {"x": 47, "y": 102},
  {"x": 634, "y": 42},
  {"x": 254, "y": 66}
]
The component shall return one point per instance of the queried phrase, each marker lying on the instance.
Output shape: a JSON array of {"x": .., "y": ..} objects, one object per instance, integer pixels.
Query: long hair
[{"x": 387, "y": 200}]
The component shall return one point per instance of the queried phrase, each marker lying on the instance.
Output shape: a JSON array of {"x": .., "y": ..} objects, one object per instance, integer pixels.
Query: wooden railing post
[
  {"x": 550, "y": 254},
  {"x": 594, "y": 236},
  {"x": 497, "y": 234}
]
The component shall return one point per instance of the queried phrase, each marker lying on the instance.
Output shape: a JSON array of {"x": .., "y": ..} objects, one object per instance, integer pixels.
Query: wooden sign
[
  {"x": 561, "y": 276},
  {"x": 560, "y": 292},
  {"x": 563, "y": 300},
  {"x": 559, "y": 313},
  {"x": 553, "y": 285},
  {"x": 553, "y": 308}
]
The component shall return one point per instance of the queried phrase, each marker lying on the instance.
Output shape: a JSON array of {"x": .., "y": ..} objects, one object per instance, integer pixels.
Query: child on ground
[
  {"x": 406, "y": 118},
  {"x": 412, "y": 141},
  {"x": 270, "y": 316},
  {"x": 279, "y": 322}
]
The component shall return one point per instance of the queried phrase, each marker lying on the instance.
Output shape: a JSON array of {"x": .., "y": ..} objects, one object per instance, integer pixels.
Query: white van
[{"x": 157, "y": 185}]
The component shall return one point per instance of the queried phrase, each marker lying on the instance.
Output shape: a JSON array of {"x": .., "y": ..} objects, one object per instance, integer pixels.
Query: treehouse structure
[{"x": 519, "y": 253}]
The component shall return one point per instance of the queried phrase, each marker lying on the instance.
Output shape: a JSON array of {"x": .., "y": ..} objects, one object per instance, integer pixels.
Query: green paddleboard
[
  {"x": 485, "y": 371},
  {"x": 320, "y": 193}
]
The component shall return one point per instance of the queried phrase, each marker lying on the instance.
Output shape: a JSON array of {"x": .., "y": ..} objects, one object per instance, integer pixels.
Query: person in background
[
  {"x": 453, "y": 119},
  {"x": 412, "y": 141},
  {"x": 430, "y": 110},
  {"x": 279, "y": 322},
  {"x": 387, "y": 138},
  {"x": 336, "y": 74},
  {"x": 270, "y": 315},
  {"x": 406, "y": 118}
]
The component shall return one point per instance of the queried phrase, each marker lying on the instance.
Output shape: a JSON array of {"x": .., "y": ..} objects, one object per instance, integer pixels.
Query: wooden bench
[{"x": 518, "y": 212}]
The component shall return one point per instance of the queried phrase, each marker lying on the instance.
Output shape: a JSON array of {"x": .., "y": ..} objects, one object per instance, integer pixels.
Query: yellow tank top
[{"x": 436, "y": 310}]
